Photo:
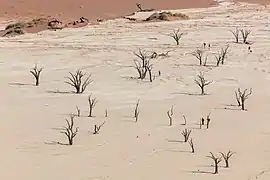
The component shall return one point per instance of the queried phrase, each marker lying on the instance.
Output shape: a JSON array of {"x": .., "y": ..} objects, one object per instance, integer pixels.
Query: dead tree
[
  {"x": 191, "y": 145},
  {"x": 202, "y": 82},
  {"x": 216, "y": 160},
  {"x": 143, "y": 65},
  {"x": 97, "y": 128},
  {"x": 226, "y": 157},
  {"x": 76, "y": 80},
  {"x": 218, "y": 59},
  {"x": 185, "y": 120},
  {"x": 236, "y": 34},
  {"x": 245, "y": 33},
  {"x": 176, "y": 35},
  {"x": 242, "y": 96},
  {"x": 208, "y": 121},
  {"x": 199, "y": 55},
  {"x": 221, "y": 56},
  {"x": 36, "y": 73},
  {"x": 186, "y": 134},
  {"x": 224, "y": 53},
  {"x": 106, "y": 112},
  {"x": 170, "y": 114},
  {"x": 78, "y": 111},
  {"x": 137, "y": 111},
  {"x": 205, "y": 61},
  {"x": 92, "y": 103},
  {"x": 69, "y": 130},
  {"x": 139, "y": 6}
]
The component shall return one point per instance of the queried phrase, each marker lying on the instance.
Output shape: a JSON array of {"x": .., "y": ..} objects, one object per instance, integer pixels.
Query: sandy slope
[
  {"x": 30, "y": 116},
  {"x": 92, "y": 9}
]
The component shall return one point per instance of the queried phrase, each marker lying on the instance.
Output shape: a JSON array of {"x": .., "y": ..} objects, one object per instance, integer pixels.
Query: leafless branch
[
  {"x": 202, "y": 82},
  {"x": 69, "y": 130},
  {"x": 92, "y": 103},
  {"x": 36, "y": 73},
  {"x": 76, "y": 80}
]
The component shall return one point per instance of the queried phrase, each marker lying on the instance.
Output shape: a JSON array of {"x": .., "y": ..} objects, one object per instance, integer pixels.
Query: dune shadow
[{"x": 21, "y": 84}]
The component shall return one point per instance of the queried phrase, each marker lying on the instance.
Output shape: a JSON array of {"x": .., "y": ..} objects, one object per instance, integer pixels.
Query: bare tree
[
  {"x": 143, "y": 65},
  {"x": 226, "y": 157},
  {"x": 106, "y": 112},
  {"x": 236, "y": 34},
  {"x": 76, "y": 80},
  {"x": 218, "y": 59},
  {"x": 186, "y": 134},
  {"x": 221, "y": 56},
  {"x": 202, "y": 82},
  {"x": 170, "y": 114},
  {"x": 224, "y": 53},
  {"x": 92, "y": 103},
  {"x": 208, "y": 121},
  {"x": 78, "y": 111},
  {"x": 216, "y": 160},
  {"x": 199, "y": 55},
  {"x": 36, "y": 73},
  {"x": 176, "y": 35},
  {"x": 137, "y": 111},
  {"x": 245, "y": 33},
  {"x": 205, "y": 61},
  {"x": 191, "y": 145},
  {"x": 97, "y": 128},
  {"x": 185, "y": 119},
  {"x": 242, "y": 96},
  {"x": 69, "y": 130}
]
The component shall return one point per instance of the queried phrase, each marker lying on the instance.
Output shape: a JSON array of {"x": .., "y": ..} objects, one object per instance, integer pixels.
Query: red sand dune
[{"x": 91, "y": 9}]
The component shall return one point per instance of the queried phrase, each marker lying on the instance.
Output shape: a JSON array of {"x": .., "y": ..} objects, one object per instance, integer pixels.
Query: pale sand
[{"x": 31, "y": 115}]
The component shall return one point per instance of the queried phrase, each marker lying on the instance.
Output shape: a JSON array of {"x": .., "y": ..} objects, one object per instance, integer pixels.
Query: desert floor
[{"x": 149, "y": 149}]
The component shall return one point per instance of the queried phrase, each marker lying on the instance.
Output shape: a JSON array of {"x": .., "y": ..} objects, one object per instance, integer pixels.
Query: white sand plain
[{"x": 147, "y": 150}]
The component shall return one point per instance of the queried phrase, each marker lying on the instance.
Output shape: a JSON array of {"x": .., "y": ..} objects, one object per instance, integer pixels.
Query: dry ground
[{"x": 148, "y": 149}]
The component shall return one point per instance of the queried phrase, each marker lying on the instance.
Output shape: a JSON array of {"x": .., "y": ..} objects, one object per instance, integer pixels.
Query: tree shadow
[
  {"x": 182, "y": 151},
  {"x": 56, "y": 143},
  {"x": 21, "y": 84},
  {"x": 60, "y": 92},
  {"x": 189, "y": 94},
  {"x": 200, "y": 172},
  {"x": 175, "y": 141}
]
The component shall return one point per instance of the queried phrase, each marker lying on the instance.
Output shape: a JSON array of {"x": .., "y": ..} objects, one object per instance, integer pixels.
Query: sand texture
[{"x": 31, "y": 117}]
